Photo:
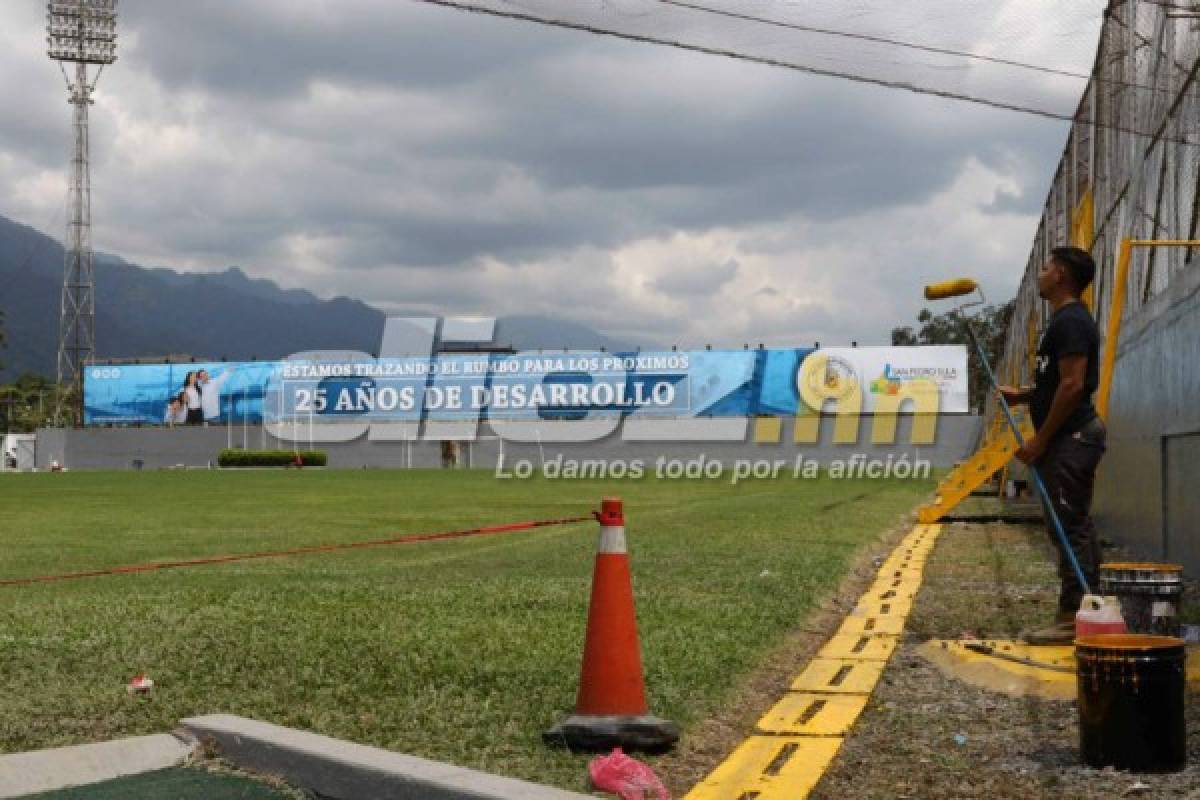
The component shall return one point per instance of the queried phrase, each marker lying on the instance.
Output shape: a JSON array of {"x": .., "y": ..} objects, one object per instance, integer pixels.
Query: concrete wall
[
  {"x": 118, "y": 448},
  {"x": 1148, "y": 488}
]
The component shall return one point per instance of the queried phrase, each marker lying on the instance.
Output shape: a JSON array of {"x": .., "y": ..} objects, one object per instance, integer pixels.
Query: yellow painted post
[
  {"x": 1083, "y": 221},
  {"x": 1114, "y": 327},
  {"x": 1083, "y": 224}
]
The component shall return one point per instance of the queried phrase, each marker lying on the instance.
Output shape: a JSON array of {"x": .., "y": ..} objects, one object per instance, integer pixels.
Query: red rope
[{"x": 321, "y": 548}]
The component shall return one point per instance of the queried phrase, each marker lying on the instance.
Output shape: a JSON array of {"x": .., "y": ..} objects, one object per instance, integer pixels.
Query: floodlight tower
[{"x": 80, "y": 32}]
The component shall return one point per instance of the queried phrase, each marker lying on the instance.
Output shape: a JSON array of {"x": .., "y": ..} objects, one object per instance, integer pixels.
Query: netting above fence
[{"x": 975, "y": 50}]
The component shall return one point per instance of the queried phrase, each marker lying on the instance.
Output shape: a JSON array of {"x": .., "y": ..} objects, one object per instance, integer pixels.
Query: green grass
[{"x": 461, "y": 650}]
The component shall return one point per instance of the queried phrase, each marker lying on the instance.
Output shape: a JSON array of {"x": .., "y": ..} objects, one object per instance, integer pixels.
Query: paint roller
[{"x": 947, "y": 289}]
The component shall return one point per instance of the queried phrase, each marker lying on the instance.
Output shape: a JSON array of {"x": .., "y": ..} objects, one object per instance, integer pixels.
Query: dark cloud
[
  {"x": 276, "y": 47},
  {"x": 418, "y": 156}
]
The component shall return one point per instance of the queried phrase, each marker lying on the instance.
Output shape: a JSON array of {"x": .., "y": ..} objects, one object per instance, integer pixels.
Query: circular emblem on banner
[{"x": 837, "y": 380}]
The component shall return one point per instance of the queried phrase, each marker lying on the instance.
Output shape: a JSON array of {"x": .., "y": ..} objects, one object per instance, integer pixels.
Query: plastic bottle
[{"x": 1099, "y": 615}]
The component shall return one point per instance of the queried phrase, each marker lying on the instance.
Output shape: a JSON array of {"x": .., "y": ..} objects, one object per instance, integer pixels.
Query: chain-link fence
[{"x": 1130, "y": 169}]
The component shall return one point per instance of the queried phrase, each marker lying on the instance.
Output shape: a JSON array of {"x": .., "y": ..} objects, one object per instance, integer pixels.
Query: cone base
[{"x": 594, "y": 734}]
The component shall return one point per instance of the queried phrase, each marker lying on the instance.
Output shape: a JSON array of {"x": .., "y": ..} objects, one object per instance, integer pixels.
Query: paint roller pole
[{"x": 956, "y": 288}]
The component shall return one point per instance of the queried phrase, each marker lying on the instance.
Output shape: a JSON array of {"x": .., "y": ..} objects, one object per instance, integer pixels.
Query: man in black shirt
[{"x": 1069, "y": 441}]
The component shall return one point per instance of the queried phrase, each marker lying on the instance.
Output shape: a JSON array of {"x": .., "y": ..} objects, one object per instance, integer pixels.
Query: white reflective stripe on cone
[{"x": 612, "y": 540}]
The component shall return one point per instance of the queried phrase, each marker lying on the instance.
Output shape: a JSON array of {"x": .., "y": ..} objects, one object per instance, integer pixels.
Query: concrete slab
[
  {"x": 343, "y": 770},
  {"x": 173, "y": 783},
  {"x": 62, "y": 767}
]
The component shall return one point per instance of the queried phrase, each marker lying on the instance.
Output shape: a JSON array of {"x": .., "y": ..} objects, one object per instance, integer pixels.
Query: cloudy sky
[{"x": 420, "y": 157}]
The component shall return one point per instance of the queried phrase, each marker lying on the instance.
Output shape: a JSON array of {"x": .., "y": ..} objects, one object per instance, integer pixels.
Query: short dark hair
[{"x": 1078, "y": 263}]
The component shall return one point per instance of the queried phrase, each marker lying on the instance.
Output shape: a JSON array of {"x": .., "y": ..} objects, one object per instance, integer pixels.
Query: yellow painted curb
[
  {"x": 839, "y": 675},
  {"x": 898, "y": 589},
  {"x": 858, "y": 625},
  {"x": 907, "y": 562},
  {"x": 858, "y": 647},
  {"x": 769, "y": 768},
  {"x": 917, "y": 571},
  {"x": 898, "y": 607},
  {"x": 806, "y": 727},
  {"x": 801, "y": 713}
]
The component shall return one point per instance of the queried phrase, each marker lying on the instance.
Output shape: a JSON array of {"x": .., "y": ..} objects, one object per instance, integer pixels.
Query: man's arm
[
  {"x": 1014, "y": 396},
  {"x": 1072, "y": 372},
  {"x": 218, "y": 382}
]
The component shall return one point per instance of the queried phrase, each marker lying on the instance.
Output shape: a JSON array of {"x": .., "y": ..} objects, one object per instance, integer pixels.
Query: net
[{"x": 1031, "y": 57}]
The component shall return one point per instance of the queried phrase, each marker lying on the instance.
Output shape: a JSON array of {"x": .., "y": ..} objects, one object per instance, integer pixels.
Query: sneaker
[
  {"x": 1061, "y": 632},
  {"x": 1058, "y": 633}
]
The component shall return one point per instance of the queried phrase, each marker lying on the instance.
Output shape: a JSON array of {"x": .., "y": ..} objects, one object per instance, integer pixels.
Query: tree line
[{"x": 990, "y": 325}]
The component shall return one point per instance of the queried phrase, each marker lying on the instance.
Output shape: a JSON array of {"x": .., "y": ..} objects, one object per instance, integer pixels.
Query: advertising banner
[
  {"x": 884, "y": 371},
  {"x": 522, "y": 386}
]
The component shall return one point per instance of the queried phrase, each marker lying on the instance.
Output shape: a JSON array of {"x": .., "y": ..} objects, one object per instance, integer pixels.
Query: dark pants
[{"x": 1068, "y": 470}]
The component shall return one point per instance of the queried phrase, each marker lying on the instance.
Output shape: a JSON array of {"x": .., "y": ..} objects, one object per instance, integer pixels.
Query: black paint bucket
[
  {"x": 1131, "y": 701},
  {"x": 1150, "y": 595}
]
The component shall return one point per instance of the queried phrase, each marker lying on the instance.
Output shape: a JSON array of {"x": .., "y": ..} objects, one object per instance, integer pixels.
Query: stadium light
[{"x": 80, "y": 32}]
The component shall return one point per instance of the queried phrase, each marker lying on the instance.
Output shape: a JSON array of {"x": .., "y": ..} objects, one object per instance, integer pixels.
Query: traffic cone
[{"x": 610, "y": 710}]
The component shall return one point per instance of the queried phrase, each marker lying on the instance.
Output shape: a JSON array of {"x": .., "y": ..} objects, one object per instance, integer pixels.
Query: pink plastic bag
[{"x": 626, "y": 777}]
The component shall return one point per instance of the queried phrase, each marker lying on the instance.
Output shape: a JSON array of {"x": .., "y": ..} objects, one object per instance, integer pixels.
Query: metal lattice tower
[{"x": 80, "y": 32}]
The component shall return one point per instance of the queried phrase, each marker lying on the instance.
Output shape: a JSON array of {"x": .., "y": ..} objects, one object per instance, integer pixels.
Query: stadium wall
[
  {"x": 1146, "y": 489},
  {"x": 159, "y": 448}
]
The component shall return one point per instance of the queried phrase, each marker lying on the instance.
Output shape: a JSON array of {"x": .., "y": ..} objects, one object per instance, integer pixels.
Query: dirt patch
[
  {"x": 924, "y": 735},
  {"x": 710, "y": 742}
]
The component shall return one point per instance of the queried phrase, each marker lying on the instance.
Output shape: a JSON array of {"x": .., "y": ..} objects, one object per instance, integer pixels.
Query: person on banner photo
[
  {"x": 171, "y": 415},
  {"x": 210, "y": 393},
  {"x": 194, "y": 413},
  {"x": 1070, "y": 437},
  {"x": 181, "y": 412}
]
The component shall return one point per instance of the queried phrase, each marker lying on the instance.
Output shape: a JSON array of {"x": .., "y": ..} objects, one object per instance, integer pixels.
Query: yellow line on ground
[
  {"x": 770, "y": 768},
  {"x": 874, "y": 625},
  {"x": 797, "y": 739},
  {"x": 839, "y": 675},
  {"x": 859, "y": 646},
  {"x": 812, "y": 714}
]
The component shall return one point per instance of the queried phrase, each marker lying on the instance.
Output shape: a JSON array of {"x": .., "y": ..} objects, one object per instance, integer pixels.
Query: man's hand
[
  {"x": 1014, "y": 396},
  {"x": 1031, "y": 451}
]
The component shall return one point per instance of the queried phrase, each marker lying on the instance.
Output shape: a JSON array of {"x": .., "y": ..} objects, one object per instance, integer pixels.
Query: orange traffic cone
[{"x": 610, "y": 710}]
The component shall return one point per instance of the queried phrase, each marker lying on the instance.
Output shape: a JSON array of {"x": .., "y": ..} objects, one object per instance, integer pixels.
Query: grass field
[{"x": 461, "y": 650}]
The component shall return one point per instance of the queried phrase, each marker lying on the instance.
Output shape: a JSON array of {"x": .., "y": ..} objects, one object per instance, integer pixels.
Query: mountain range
[{"x": 150, "y": 313}]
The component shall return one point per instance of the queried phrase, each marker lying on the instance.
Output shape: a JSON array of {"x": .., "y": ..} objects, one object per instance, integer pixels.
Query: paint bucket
[
  {"x": 1131, "y": 700},
  {"x": 1150, "y": 595}
]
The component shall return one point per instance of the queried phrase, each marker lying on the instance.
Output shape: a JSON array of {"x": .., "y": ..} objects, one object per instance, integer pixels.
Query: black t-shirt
[{"x": 1071, "y": 332}]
